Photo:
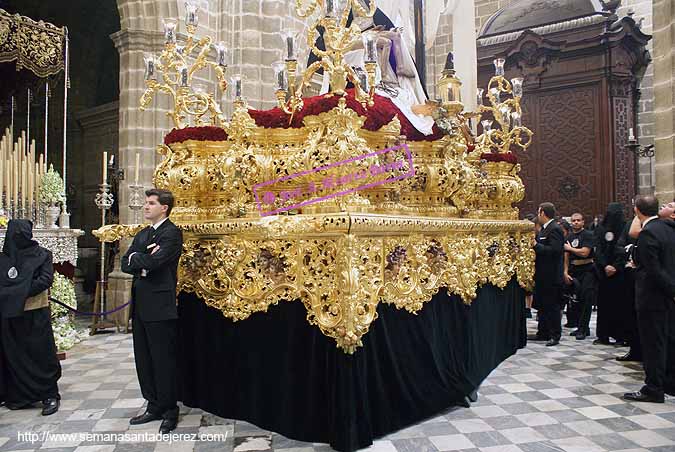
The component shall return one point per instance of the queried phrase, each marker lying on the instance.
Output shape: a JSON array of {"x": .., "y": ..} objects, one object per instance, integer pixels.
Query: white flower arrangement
[
  {"x": 65, "y": 333},
  {"x": 63, "y": 290},
  {"x": 51, "y": 188}
]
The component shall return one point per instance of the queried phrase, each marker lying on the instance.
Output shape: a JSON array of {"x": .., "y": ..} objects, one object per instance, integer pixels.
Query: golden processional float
[{"x": 273, "y": 209}]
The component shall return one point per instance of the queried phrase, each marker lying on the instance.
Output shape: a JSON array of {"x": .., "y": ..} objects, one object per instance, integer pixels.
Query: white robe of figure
[{"x": 407, "y": 85}]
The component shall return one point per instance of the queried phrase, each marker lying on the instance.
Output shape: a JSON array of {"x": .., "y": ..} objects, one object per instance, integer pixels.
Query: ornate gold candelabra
[
  {"x": 500, "y": 188},
  {"x": 177, "y": 68},
  {"x": 507, "y": 113},
  {"x": 339, "y": 39}
]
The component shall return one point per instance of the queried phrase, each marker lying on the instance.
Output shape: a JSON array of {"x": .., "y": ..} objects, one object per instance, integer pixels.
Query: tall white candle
[
  {"x": 105, "y": 167},
  {"x": 36, "y": 196},
  {"x": 138, "y": 164}
]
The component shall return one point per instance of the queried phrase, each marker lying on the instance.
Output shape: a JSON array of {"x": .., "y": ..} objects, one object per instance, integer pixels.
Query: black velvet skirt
[{"x": 29, "y": 367}]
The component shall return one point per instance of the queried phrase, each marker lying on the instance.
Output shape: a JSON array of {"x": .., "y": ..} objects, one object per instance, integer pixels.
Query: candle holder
[
  {"x": 36, "y": 216},
  {"x": 505, "y": 129},
  {"x": 136, "y": 201},
  {"x": 40, "y": 216},
  {"x": 20, "y": 208},
  {"x": 104, "y": 201},
  {"x": 499, "y": 66},
  {"x": 339, "y": 39},
  {"x": 172, "y": 71},
  {"x": 647, "y": 152},
  {"x": 640, "y": 151}
]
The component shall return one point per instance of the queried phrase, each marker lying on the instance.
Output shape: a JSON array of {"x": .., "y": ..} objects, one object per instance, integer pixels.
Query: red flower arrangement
[
  {"x": 206, "y": 133},
  {"x": 507, "y": 157},
  {"x": 376, "y": 116}
]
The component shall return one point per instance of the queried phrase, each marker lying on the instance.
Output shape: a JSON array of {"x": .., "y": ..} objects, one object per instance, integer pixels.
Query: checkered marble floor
[{"x": 565, "y": 398}]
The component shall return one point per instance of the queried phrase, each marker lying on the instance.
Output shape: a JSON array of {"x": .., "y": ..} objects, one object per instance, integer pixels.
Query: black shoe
[
  {"x": 601, "y": 341},
  {"x": 144, "y": 418},
  {"x": 168, "y": 425},
  {"x": 536, "y": 338},
  {"x": 628, "y": 357},
  {"x": 18, "y": 405},
  {"x": 640, "y": 396},
  {"x": 552, "y": 342},
  {"x": 473, "y": 396},
  {"x": 464, "y": 403},
  {"x": 50, "y": 406},
  {"x": 620, "y": 344},
  {"x": 574, "y": 333},
  {"x": 580, "y": 336}
]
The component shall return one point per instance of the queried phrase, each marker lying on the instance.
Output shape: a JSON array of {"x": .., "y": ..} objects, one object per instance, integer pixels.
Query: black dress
[
  {"x": 29, "y": 366},
  {"x": 612, "y": 290},
  {"x": 627, "y": 311}
]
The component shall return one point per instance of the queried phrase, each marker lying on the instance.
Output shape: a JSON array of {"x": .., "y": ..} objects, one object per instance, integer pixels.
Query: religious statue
[{"x": 397, "y": 77}]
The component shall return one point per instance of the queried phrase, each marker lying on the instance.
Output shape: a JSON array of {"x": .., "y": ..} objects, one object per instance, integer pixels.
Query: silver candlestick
[
  {"x": 136, "y": 201},
  {"x": 104, "y": 201},
  {"x": 39, "y": 216},
  {"x": 19, "y": 207}
]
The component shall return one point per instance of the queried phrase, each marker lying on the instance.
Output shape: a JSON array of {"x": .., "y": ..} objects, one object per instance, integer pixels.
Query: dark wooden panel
[{"x": 563, "y": 164}]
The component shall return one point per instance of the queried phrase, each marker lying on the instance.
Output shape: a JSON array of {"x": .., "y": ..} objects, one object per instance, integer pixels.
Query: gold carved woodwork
[
  {"x": 216, "y": 179},
  {"x": 342, "y": 266}
]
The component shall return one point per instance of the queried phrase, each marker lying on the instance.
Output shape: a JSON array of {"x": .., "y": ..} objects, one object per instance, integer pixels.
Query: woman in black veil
[
  {"x": 610, "y": 267},
  {"x": 29, "y": 367}
]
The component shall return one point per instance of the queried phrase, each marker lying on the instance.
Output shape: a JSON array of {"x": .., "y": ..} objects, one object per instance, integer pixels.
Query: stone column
[
  {"x": 643, "y": 13},
  {"x": 139, "y": 132},
  {"x": 664, "y": 108}
]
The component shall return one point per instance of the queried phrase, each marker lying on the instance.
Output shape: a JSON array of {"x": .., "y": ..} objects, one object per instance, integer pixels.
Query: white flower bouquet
[{"x": 51, "y": 188}]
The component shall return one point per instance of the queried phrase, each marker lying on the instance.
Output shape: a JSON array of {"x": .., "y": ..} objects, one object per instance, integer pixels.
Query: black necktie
[{"x": 149, "y": 235}]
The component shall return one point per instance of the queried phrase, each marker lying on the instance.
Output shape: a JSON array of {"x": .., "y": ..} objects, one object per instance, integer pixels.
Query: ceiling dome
[{"x": 524, "y": 14}]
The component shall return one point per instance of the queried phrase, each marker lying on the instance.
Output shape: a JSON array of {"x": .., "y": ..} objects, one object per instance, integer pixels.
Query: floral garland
[
  {"x": 65, "y": 332},
  {"x": 51, "y": 187},
  {"x": 205, "y": 133},
  {"x": 378, "y": 116}
]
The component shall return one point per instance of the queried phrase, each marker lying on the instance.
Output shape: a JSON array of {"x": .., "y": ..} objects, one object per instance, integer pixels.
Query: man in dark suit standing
[
  {"x": 548, "y": 276},
  {"x": 153, "y": 260},
  {"x": 655, "y": 300}
]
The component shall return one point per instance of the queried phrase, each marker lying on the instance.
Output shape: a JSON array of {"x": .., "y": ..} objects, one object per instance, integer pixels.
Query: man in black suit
[
  {"x": 548, "y": 276},
  {"x": 153, "y": 260},
  {"x": 655, "y": 300}
]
